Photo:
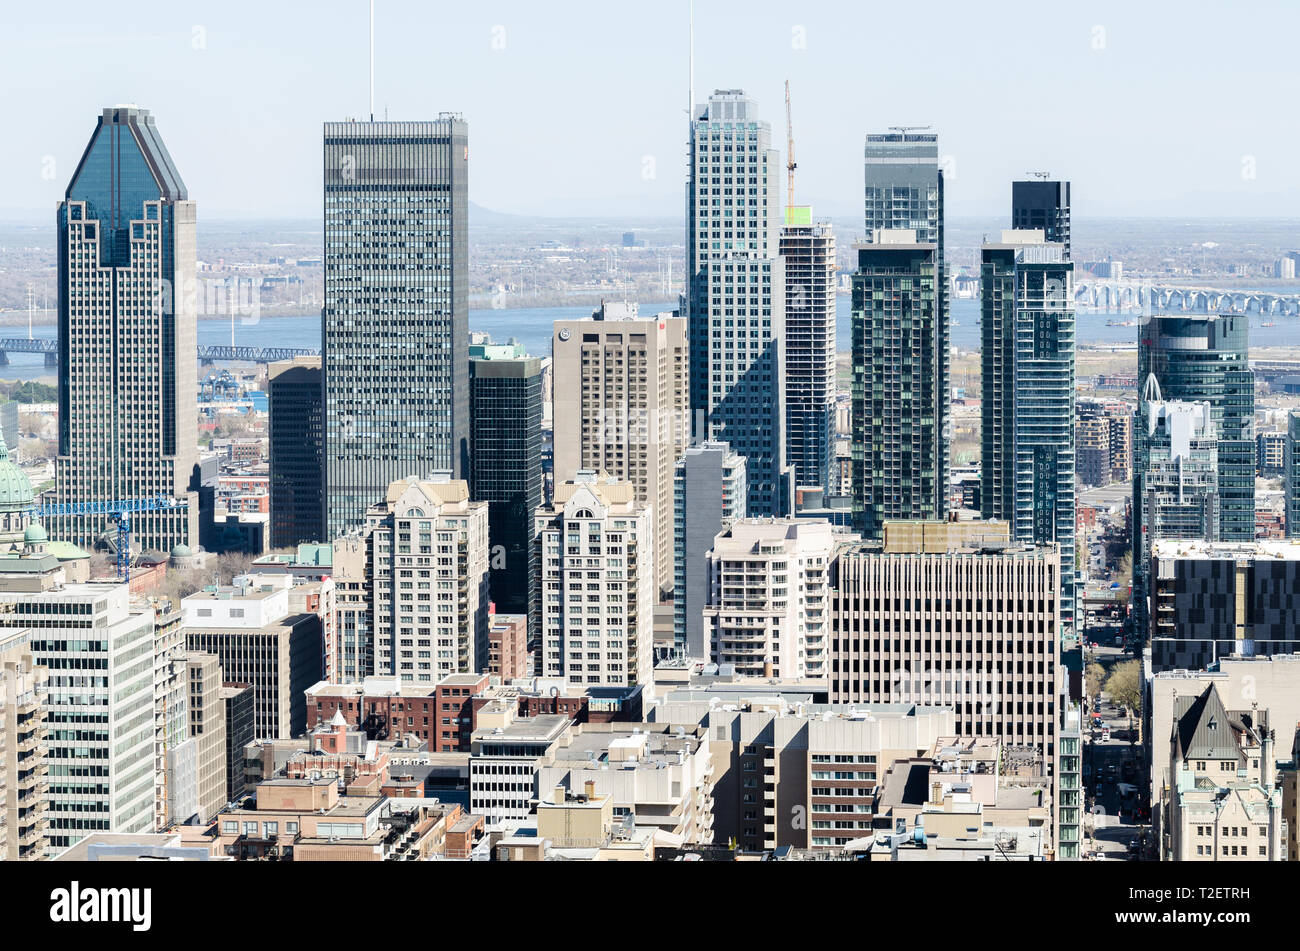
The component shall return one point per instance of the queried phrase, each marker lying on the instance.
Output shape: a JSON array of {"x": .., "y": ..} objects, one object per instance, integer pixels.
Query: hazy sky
[{"x": 579, "y": 108}]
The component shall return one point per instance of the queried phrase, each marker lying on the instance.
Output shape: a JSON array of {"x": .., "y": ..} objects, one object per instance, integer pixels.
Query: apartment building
[
  {"x": 24, "y": 798},
  {"x": 595, "y": 558},
  {"x": 769, "y": 597}
]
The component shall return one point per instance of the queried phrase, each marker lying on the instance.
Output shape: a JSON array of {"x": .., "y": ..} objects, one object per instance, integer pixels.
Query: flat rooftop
[{"x": 1278, "y": 549}]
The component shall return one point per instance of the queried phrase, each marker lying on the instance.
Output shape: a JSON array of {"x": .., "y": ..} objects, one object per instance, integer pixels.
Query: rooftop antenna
[
  {"x": 790, "y": 164},
  {"x": 372, "y": 60},
  {"x": 1041, "y": 176},
  {"x": 908, "y": 128}
]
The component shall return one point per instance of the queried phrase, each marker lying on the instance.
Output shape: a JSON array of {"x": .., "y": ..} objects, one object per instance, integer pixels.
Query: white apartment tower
[
  {"x": 429, "y": 579},
  {"x": 595, "y": 567},
  {"x": 769, "y": 597}
]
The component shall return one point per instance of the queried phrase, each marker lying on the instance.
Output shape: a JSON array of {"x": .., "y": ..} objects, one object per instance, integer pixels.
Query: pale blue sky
[{"x": 1150, "y": 109}]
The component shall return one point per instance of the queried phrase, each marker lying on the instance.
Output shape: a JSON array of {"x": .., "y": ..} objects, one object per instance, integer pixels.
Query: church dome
[
  {"x": 15, "y": 488},
  {"x": 35, "y": 534}
]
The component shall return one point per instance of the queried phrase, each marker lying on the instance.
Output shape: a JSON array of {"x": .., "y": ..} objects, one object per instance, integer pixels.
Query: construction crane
[
  {"x": 118, "y": 511},
  {"x": 790, "y": 164}
]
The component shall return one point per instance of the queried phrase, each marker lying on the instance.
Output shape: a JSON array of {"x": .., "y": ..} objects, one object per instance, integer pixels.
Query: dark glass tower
[
  {"x": 395, "y": 323},
  {"x": 1027, "y": 426},
  {"x": 294, "y": 391},
  {"x": 899, "y": 388},
  {"x": 1045, "y": 206},
  {"x": 506, "y": 468},
  {"x": 128, "y": 426}
]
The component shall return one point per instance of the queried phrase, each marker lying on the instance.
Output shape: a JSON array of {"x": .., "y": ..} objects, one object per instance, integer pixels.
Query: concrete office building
[
  {"x": 207, "y": 728},
  {"x": 1214, "y": 599},
  {"x": 395, "y": 335},
  {"x": 506, "y": 465},
  {"x": 621, "y": 388},
  {"x": 429, "y": 580},
  {"x": 24, "y": 765},
  {"x": 1270, "y": 454},
  {"x": 295, "y": 389},
  {"x": 101, "y": 768},
  {"x": 1176, "y": 476},
  {"x": 708, "y": 498},
  {"x": 507, "y": 754},
  {"x": 595, "y": 569},
  {"x": 971, "y": 623},
  {"x": 809, "y": 252},
  {"x": 259, "y": 641},
  {"x": 176, "y": 783},
  {"x": 735, "y": 301},
  {"x": 900, "y": 382},
  {"x": 127, "y": 337},
  {"x": 1027, "y": 389},
  {"x": 769, "y": 597},
  {"x": 1291, "y": 474},
  {"x": 1043, "y": 205}
]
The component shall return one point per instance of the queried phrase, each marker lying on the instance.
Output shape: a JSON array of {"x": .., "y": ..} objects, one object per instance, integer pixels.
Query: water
[{"x": 532, "y": 327}]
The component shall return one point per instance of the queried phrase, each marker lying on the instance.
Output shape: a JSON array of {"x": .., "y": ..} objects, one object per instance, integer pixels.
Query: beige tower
[{"x": 620, "y": 398}]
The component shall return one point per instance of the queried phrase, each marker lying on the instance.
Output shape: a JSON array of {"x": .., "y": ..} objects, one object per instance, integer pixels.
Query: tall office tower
[
  {"x": 297, "y": 441},
  {"x": 620, "y": 408},
  {"x": 708, "y": 497},
  {"x": 1027, "y": 369},
  {"x": 809, "y": 253},
  {"x": 595, "y": 579},
  {"x": 394, "y": 328},
  {"x": 1176, "y": 479},
  {"x": 100, "y": 728},
  {"x": 1291, "y": 474},
  {"x": 899, "y": 389},
  {"x": 1044, "y": 206},
  {"x": 24, "y": 762},
  {"x": 506, "y": 465},
  {"x": 735, "y": 305},
  {"x": 1206, "y": 359},
  {"x": 995, "y": 662},
  {"x": 128, "y": 403},
  {"x": 769, "y": 598},
  {"x": 429, "y": 580}
]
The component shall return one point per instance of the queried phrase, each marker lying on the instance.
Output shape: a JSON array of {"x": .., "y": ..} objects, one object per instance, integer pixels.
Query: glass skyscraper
[
  {"x": 899, "y": 385},
  {"x": 395, "y": 322},
  {"x": 736, "y": 298},
  {"x": 1045, "y": 206},
  {"x": 506, "y": 468},
  {"x": 128, "y": 418},
  {"x": 1027, "y": 406}
]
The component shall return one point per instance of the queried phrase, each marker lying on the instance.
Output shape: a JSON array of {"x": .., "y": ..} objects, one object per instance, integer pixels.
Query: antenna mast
[
  {"x": 790, "y": 164},
  {"x": 372, "y": 60}
]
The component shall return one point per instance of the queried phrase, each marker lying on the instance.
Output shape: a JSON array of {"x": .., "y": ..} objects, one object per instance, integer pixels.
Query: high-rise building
[
  {"x": 900, "y": 382},
  {"x": 768, "y": 613},
  {"x": 735, "y": 304},
  {"x": 394, "y": 327},
  {"x": 207, "y": 728},
  {"x": 128, "y": 417},
  {"x": 294, "y": 390},
  {"x": 24, "y": 764},
  {"x": 809, "y": 253},
  {"x": 708, "y": 497},
  {"x": 1206, "y": 359},
  {"x": 506, "y": 464},
  {"x": 1103, "y": 441},
  {"x": 953, "y": 617},
  {"x": 257, "y": 638},
  {"x": 620, "y": 408},
  {"x": 1291, "y": 474},
  {"x": 354, "y": 653},
  {"x": 100, "y": 728},
  {"x": 1044, "y": 206},
  {"x": 1176, "y": 478},
  {"x": 904, "y": 186},
  {"x": 1027, "y": 406},
  {"x": 595, "y": 570},
  {"x": 238, "y": 703},
  {"x": 429, "y": 580}
]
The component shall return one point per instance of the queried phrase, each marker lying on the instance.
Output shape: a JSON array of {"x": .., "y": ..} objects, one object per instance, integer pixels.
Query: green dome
[
  {"x": 35, "y": 534},
  {"x": 15, "y": 488},
  {"x": 182, "y": 551}
]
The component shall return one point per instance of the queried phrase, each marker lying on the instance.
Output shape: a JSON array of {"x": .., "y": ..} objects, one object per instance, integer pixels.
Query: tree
[
  {"x": 1094, "y": 676},
  {"x": 1124, "y": 685},
  {"x": 1124, "y": 574},
  {"x": 233, "y": 563}
]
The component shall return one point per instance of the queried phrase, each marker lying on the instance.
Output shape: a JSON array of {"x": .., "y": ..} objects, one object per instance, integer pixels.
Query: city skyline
[{"x": 212, "y": 56}]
